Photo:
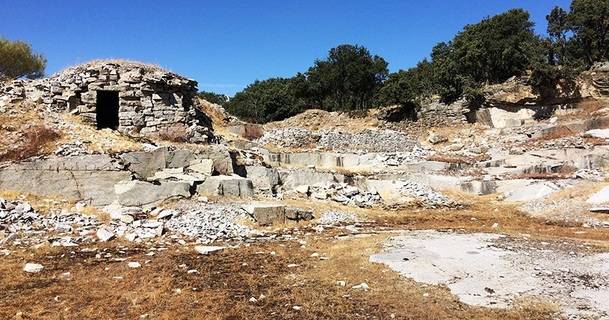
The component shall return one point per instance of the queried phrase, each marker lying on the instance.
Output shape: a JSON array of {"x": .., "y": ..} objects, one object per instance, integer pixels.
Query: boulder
[
  {"x": 263, "y": 178},
  {"x": 499, "y": 118},
  {"x": 266, "y": 214},
  {"x": 146, "y": 163},
  {"x": 600, "y": 197},
  {"x": 177, "y": 174},
  {"x": 435, "y": 138},
  {"x": 298, "y": 214},
  {"x": 294, "y": 178},
  {"x": 33, "y": 267},
  {"x": 140, "y": 193},
  {"x": 231, "y": 186},
  {"x": 202, "y": 166},
  {"x": 205, "y": 250},
  {"x": 597, "y": 133},
  {"x": 89, "y": 179},
  {"x": 221, "y": 158}
]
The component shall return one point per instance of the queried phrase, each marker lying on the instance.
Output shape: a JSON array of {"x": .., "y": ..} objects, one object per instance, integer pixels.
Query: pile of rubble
[
  {"x": 365, "y": 141},
  {"x": 342, "y": 193},
  {"x": 289, "y": 138},
  {"x": 424, "y": 195},
  {"x": 332, "y": 218},
  {"x": 209, "y": 221},
  {"x": 203, "y": 222}
]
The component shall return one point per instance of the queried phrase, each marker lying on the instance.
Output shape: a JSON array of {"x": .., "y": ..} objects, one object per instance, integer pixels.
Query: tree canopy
[
  {"x": 17, "y": 60},
  {"x": 213, "y": 97},
  {"x": 581, "y": 34},
  {"x": 347, "y": 79},
  {"x": 490, "y": 51},
  {"x": 264, "y": 101}
]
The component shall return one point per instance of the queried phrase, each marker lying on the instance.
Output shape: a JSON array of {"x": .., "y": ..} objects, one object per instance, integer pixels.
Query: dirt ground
[{"x": 312, "y": 277}]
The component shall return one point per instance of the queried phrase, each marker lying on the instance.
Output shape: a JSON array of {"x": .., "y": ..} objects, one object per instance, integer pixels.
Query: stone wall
[
  {"x": 150, "y": 99},
  {"x": 437, "y": 113}
]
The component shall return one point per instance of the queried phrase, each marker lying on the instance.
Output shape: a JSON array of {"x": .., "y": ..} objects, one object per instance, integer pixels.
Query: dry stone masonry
[{"x": 127, "y": 96}]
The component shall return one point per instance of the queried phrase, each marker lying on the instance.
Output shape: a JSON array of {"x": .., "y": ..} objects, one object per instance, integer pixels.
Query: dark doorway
[{"x": 107, "y": 110}]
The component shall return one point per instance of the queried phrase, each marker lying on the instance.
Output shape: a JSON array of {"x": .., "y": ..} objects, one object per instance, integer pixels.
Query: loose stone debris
[{"x": 175, "y": 172}]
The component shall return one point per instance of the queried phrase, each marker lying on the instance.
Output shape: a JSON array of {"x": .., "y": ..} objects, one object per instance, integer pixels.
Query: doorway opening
[{"x": 107, "y": 110}]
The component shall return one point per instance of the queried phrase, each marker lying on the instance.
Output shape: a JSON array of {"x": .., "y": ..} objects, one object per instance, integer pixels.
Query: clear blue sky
[{"x": 227, "y": 44}]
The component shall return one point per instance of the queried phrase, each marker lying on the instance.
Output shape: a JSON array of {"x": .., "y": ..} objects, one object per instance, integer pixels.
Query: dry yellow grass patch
[{"x": 103, "y": 141}]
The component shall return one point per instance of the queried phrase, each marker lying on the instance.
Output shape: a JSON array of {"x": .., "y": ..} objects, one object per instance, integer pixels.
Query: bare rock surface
[{"x": 493, "y": 270}]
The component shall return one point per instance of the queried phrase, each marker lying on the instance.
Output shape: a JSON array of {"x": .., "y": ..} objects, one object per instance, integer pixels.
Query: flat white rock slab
[{"x": 493, "y": 270}]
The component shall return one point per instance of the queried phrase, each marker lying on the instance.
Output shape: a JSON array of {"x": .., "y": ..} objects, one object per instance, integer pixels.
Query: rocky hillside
[{"x": 299, "y": 195}]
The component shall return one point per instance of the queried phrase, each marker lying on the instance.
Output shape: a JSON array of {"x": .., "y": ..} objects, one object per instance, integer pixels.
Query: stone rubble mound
[
  {"x": 332, "y": 218},
  {"x": 366, "y": 141},
  {"x": 428, "y": 197},
  {"x": 205, "y": 222},
  {"x": 345, "y": 194}
]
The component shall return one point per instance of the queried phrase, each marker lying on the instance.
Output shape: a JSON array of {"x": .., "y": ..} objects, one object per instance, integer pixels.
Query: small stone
[
  {"x": 127, "y": 218},
  {"x": 302, "y": 189},
  {"x": 134, "y": 265},
  {"x": 341, "y": 283},
  {"x": 363, "y": 286},
  {"x": 33, "y": 267},
  {"x": 104, "y": 234},
  {"x": 205, "y": 250}
]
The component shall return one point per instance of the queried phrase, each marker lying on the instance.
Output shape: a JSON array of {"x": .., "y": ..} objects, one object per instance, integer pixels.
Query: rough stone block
[
  {"x": 230, "y": 186},
  {"x": 266, "y": 214}
]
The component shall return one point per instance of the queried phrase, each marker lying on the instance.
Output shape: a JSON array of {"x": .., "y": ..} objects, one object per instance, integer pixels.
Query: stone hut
[{"x": 131, "y": 97}]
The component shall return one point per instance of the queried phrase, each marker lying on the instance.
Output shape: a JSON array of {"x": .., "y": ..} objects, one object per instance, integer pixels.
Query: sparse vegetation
[{"x": 26, "y": 142}]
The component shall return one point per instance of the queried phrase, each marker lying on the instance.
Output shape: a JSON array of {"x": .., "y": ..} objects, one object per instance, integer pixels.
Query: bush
[
  {"x": 490, "y": 51},
  {"x": 17, "y": 60},
  {"x": 213, "y": 97},
  {"x": 264, "y": 101}
]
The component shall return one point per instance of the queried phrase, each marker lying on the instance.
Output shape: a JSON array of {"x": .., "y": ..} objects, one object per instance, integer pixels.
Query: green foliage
[
  {"x": 490, "y": 51},
  {"x": 268, "y": 100},
  {"x": 580, "y": 36},
  {"x": 347, "y": 80},
  {"x": 213, "y": 97},
  {"x": 17, "y": 60},
  {"x": 405, "y": 87}
]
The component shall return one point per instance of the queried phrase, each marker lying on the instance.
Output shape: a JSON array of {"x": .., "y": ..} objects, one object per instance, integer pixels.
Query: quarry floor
[{"x": 325, "y": 274}]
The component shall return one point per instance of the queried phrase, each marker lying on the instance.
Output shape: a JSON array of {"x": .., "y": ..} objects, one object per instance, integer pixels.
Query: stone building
[{"x": 127, "y": 96}]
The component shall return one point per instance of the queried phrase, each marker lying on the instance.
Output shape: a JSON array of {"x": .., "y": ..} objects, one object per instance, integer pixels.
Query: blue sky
[{"x": 227, "y": 44}]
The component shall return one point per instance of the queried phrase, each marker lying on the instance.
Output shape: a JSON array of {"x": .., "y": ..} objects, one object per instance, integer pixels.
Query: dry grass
[
  {"x": 101, "y": 141},
  {"x": 553, "y": 134},
  {"x": 23, "y": 134},
  {"x": 224, "y": 284},
  {"x": 27, "y": 142}
]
